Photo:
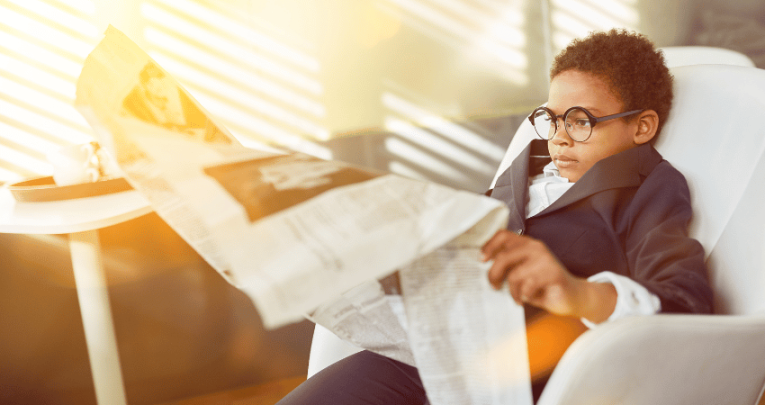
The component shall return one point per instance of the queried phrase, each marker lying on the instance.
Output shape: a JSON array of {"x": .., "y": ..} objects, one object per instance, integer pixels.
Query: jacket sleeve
[{"x": 661, "y": 255}]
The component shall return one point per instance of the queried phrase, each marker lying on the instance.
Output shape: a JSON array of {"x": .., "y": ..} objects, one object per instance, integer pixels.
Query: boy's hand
[{"x": 535, "y": 276}]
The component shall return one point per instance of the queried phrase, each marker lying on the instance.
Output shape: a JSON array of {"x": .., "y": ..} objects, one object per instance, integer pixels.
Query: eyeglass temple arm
[{"x": 619, "y": 115}]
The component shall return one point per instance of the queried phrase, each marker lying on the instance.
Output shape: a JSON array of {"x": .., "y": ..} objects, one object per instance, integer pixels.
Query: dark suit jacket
[{"x": 628, "y": 214}]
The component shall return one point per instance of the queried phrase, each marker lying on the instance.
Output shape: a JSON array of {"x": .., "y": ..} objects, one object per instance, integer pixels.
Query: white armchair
[
  {"x": 715, "y": 136},
  {"x": 704, "y": 55}
]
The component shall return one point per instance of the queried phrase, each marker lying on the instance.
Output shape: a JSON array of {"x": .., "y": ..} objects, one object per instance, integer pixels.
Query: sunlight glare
[
  {"x": 58, "y": 16},
  {"x": 9, "y": 176},
  {"x": 579, "y": 17},
  {"x": 627, "y": 16},
  {"x": 511, "y": 57},
  {"x": 469, "y": 13},
  {"x": 568, "y": 28},
  {"x": 26, "y": 139},
  {"x": 507, "y": 34},
  {"x": 44, "y": 124},
  {"x": 423, "y": 159},
  {"x": 242, "y": 97},
  {"x": 41, "y": 78},
  {"x": 245, "y": 33},
  {"x": 62, "y": 41},
  {"x": 252, "y": 126},
  {"x": 34, "y": 52},
  {"x": 454, "y": 132},
  {"x": 25, "y": 161},
  {"x": 428, "y": 140},
  {"x": 54, "y": 108},
  {"x": 84, "y": 6},
  {"x": 475, "y": 29},
  {"x": 230, "y": 49},
  {"x": 225, "y": 69}
]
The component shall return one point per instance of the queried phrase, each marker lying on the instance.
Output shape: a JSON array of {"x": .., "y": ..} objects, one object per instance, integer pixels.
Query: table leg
[{"x": 97, "y": 321}]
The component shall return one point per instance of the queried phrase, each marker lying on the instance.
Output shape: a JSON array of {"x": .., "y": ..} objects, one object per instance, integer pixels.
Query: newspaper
[
  {"x": 466, "y": 348},
  {"x": 306, "y": 237}
]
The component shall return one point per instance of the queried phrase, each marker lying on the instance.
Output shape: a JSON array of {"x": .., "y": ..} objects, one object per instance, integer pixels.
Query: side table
[{"x": 81, "y": 218}]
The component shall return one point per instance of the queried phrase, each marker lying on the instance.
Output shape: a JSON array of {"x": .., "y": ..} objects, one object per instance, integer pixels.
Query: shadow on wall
[
  {"x": 182, "y": 331},
  {"x": 462, "y": 154}
]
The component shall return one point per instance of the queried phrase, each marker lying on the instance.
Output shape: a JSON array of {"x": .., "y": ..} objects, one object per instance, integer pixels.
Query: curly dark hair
[{"x": 628, "y": 62}]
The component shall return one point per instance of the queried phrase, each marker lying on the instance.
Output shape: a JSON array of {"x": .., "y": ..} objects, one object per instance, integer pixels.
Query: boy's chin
[{"x": 571, "y": 175}]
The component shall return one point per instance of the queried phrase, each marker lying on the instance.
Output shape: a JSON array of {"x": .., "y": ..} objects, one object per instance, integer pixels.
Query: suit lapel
[
  {"x": 621, "y": 170},
  {"x": 512, "y": 186}
]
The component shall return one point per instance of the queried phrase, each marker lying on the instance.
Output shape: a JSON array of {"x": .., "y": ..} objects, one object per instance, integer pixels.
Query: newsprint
[{"x": 385, "y": 262}]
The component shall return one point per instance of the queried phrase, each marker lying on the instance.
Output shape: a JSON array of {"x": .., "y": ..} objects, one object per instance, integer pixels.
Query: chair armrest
[{"x": 664, "y": 359}]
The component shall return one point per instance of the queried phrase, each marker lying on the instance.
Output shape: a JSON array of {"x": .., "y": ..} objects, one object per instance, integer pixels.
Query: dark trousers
[
  {"x": 363, "y": 378},
  {"x": 369, "y": 379}
]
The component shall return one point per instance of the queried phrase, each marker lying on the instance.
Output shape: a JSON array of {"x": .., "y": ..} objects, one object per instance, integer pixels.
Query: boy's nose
[{"x": 561, "y": 137}]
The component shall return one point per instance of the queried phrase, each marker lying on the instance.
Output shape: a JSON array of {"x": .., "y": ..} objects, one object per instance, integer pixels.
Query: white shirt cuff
[{"x": 632, "y": 298}]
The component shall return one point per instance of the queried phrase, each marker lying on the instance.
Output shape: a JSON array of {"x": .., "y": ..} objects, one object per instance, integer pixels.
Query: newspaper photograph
[{"x": 309, "y": 238}]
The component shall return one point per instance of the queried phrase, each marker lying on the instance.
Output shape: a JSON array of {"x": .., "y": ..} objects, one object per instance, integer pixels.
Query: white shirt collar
[
  {"x": 545, "y": 189},
  {"x": 551, "y": 170}
]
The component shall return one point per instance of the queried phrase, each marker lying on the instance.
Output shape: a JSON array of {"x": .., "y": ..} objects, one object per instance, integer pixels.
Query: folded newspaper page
[
  {"x": 465, "y": 348},
  {"x": 306, "y": 237}
]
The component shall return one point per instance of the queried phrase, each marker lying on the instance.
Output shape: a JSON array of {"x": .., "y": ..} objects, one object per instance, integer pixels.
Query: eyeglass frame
[{"x": 593, "y": 120}]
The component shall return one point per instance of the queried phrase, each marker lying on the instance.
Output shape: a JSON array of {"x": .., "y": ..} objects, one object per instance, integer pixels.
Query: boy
[
  {"x": 611, "y": 215},
  {"x": 598, "y": 220}
]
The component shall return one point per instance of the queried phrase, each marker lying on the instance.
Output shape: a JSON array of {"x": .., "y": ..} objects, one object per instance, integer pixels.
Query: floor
[
  {"x": 182, "y": 331},
  {"x": 264, "y": 394}
]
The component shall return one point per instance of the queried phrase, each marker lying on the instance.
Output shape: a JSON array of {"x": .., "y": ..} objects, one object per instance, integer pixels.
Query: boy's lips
[{"x": 564, "y": 161}]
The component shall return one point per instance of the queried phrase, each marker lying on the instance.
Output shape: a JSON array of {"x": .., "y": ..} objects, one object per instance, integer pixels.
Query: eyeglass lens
[{"x": 577, "y": 124}]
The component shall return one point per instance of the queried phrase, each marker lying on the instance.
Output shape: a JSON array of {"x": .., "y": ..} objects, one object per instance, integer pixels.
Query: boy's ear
[{"x": 647, "y": 124}]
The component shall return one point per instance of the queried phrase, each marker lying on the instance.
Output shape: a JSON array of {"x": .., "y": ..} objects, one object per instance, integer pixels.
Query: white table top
[{"x": 69, "y": 216}]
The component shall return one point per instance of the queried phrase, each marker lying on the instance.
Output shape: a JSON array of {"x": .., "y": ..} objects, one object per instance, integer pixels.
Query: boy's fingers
[
  {"x": 490, "y": 248},
  {"x": 524, "y": 282},
  {"x": 531, "y": 291},
  {"x": 502, "y": 240},
  {"x": 516, "y": 285},
  {"x": 504, "y": 263},
  {"x": 498, "y": 272}
]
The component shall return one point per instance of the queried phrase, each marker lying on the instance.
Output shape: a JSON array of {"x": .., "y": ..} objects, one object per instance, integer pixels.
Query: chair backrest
[
  {"x": 704, "y": 55},
  {"x": 715, "y": 136}
]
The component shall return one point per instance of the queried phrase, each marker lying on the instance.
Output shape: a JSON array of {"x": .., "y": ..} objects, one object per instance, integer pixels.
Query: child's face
[{"x": 574, "y": 88}]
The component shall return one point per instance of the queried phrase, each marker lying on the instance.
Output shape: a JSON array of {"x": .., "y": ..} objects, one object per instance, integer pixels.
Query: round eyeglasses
[{"x": 578, "y": 122}]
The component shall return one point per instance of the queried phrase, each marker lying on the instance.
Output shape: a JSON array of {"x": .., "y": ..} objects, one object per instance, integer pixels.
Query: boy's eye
[{"x": 578, "y": 122}]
